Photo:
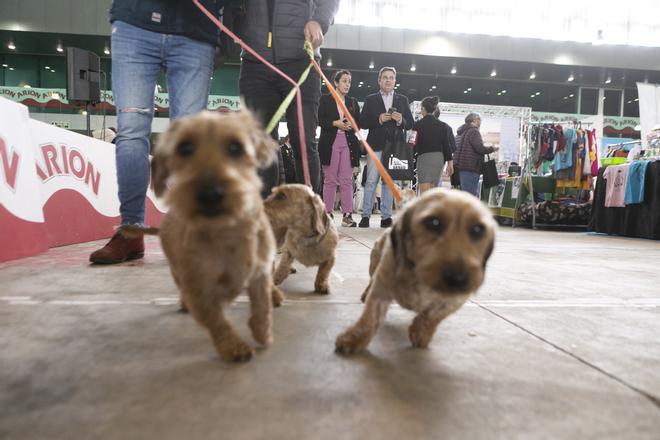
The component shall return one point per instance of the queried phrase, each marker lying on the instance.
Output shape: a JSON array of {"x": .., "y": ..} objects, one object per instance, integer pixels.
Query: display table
[
  {"x": 639, "y": 220},
  {"x": 508, "y": 208}
]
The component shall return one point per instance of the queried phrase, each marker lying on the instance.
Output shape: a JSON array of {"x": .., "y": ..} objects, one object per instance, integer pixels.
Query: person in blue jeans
[
  {"x": 150, "y": 36},
  {"x": 469, "y": 155},
  {"x": 386, "y": 114}
]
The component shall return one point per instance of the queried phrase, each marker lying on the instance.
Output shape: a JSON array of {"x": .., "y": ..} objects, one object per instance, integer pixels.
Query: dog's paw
[
  {"x": 277, "y": 296},
  {"x": 348, "y": 343},
  {"x": 419, "y": 334},
  {"x": 322, "y": 289},
  {"x": 236, "y": 351},
  {"x": 261, "y": 330}
]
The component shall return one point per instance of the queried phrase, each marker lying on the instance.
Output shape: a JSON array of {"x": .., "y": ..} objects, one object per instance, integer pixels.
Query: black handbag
[
  {"x": 489, "y": 170},
  {"x": 397, "y": 158}
]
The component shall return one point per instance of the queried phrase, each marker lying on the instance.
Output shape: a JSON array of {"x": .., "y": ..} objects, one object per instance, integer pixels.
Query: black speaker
[{"x": 82, "y": 75}]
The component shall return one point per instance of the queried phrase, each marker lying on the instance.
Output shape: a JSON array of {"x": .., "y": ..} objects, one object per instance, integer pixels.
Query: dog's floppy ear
[
  {"x": 160, "y": 171},
  {"x": 400, "y": 235},
  {"x": 489, "y": 251},
  {"x": 319, "y": 219},
  {"x": 264, "y": 145},
  {"x": 159, "y": 174}
]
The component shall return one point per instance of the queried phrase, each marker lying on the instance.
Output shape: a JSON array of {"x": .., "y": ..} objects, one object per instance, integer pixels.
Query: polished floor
[{"x": 561, "y": 342}]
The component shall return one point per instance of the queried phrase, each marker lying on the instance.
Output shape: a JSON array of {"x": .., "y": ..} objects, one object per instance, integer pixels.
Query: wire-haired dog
[
  {"x": 216, "y": 235},
  {"x": 311, "y": 237},
  {"x": 431, "y": 261}
]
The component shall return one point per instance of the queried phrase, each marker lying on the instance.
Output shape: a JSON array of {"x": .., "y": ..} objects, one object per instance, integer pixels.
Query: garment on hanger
[{"x": 615, "y": 192}]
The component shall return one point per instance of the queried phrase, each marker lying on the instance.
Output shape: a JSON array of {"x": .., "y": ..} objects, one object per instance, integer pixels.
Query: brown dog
[
  {"x": 431, "y": 261},
  {"x": 310, "y": 238},
  {"x": 216, "y": 235}
]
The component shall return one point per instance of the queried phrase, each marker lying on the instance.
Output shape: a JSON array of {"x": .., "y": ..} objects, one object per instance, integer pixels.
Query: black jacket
[
  {"x": 378, "y": 134},
  {"x": 328, "y": 113},
  {"x": 287, "y": 23},
  {"x": 176, "y": 17},
  {"x": 432, "y": 136}
]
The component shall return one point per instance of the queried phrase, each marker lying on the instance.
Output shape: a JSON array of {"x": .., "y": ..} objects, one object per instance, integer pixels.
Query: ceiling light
[
  {"x": 608, "y": 80},
  {"x": 532, "y": 75},
  {"x": 629, "y": 102},
  {"x": 454, "y": 70},
  {"x": 106, "y": 50},
  {"x": 532, "y": 96},
  {"x": 469, "y": 89},
  {"x": 493, "y": 73},
  {"x": 434, "y": 87},
  {"x": 570, "y": 78},
  {"x": 11, "y": 68},
  {"x": 5, "y": 65},
  {"x": 571, "y": 95},
  {"x": 465, "y": 91},
  {"x": 537, "y": 93},
  {"x": 413, "y": 68},
  {"x": 397, "y": 84},
  {"x": 371, "y": 65},
  {"x": 59, "y": 48},
  {"x": 329, "y": 62},
  {"x": 503, "y": 91},
  {"x": 52, "y": 70},
  {"x": 11, "y": 45},
  {"x": 636, "y": 99},
  {"x": 565, "y": 97},
  {"x": 499, "y": 93},
  {"x": 47, "y": 67}
]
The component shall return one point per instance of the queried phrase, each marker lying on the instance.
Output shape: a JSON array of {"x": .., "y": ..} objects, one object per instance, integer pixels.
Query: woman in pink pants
[{"x": 339, "y": 148}]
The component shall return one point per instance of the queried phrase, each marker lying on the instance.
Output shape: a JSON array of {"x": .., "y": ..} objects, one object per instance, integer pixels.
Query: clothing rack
[{"x": 526, "y": 170}]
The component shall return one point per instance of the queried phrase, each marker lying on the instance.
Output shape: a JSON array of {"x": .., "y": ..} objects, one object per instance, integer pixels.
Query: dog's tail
[{"x": 136, "y": 231}]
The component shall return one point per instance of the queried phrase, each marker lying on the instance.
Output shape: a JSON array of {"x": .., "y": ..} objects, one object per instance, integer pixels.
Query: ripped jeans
[{"x": 138, "y": 56}]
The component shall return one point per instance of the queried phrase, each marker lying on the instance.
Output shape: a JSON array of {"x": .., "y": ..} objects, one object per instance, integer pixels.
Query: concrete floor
[{"x": 560, "y": 343}]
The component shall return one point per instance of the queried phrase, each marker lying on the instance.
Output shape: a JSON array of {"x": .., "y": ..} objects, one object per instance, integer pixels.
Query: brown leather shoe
[{"x": 119, "y": 249}]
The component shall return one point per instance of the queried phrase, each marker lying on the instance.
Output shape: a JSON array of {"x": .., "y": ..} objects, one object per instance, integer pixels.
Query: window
[
  {"x": 589, "y": 101},
  {"x": 612, "y": 103}
]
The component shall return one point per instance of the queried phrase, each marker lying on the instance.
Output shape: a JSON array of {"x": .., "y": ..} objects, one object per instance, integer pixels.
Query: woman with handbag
[
  {"x": 432, "y": 146},
  {"x": 339, "y": 148},
  {"x": 469, "y": 156}
]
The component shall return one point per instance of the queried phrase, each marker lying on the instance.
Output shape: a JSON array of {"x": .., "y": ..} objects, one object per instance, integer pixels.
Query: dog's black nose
[
  {"x": 455, "y": 278},
  {"x": 209, "y": 198}
]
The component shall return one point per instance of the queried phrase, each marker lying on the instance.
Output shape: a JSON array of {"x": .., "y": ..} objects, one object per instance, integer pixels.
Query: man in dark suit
[{"x": 386, "y": 115}]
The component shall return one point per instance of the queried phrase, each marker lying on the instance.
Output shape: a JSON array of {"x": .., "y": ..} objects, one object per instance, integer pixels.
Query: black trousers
[{"x": 263, "y": 91}]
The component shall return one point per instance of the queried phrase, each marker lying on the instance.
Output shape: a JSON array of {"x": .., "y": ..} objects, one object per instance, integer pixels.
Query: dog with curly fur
[
  {"x": 216, "y": 235},
  {"x": 431, "y": 261},
  {"x": 311, "y": 237}
]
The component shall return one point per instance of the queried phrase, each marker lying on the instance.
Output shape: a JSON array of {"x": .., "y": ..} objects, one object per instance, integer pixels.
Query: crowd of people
[{"x": 150, "y": 36}]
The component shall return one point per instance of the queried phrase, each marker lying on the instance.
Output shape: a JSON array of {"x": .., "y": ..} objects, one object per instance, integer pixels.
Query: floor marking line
[{"x": 653, "y": 399}]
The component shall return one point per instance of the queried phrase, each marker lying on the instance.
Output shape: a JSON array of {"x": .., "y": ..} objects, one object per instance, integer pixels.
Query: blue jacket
[{"x": 178, "y": 17}]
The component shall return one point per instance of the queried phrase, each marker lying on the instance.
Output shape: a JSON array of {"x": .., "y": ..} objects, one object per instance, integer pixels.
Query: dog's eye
[
  {"x": 434, "y": 224},
  {"x": 280, "y": 196},
  {"x": 185, "y": 149},
  {"x": 235, "y": 149},
  {"x": 477, "y": 231}
]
